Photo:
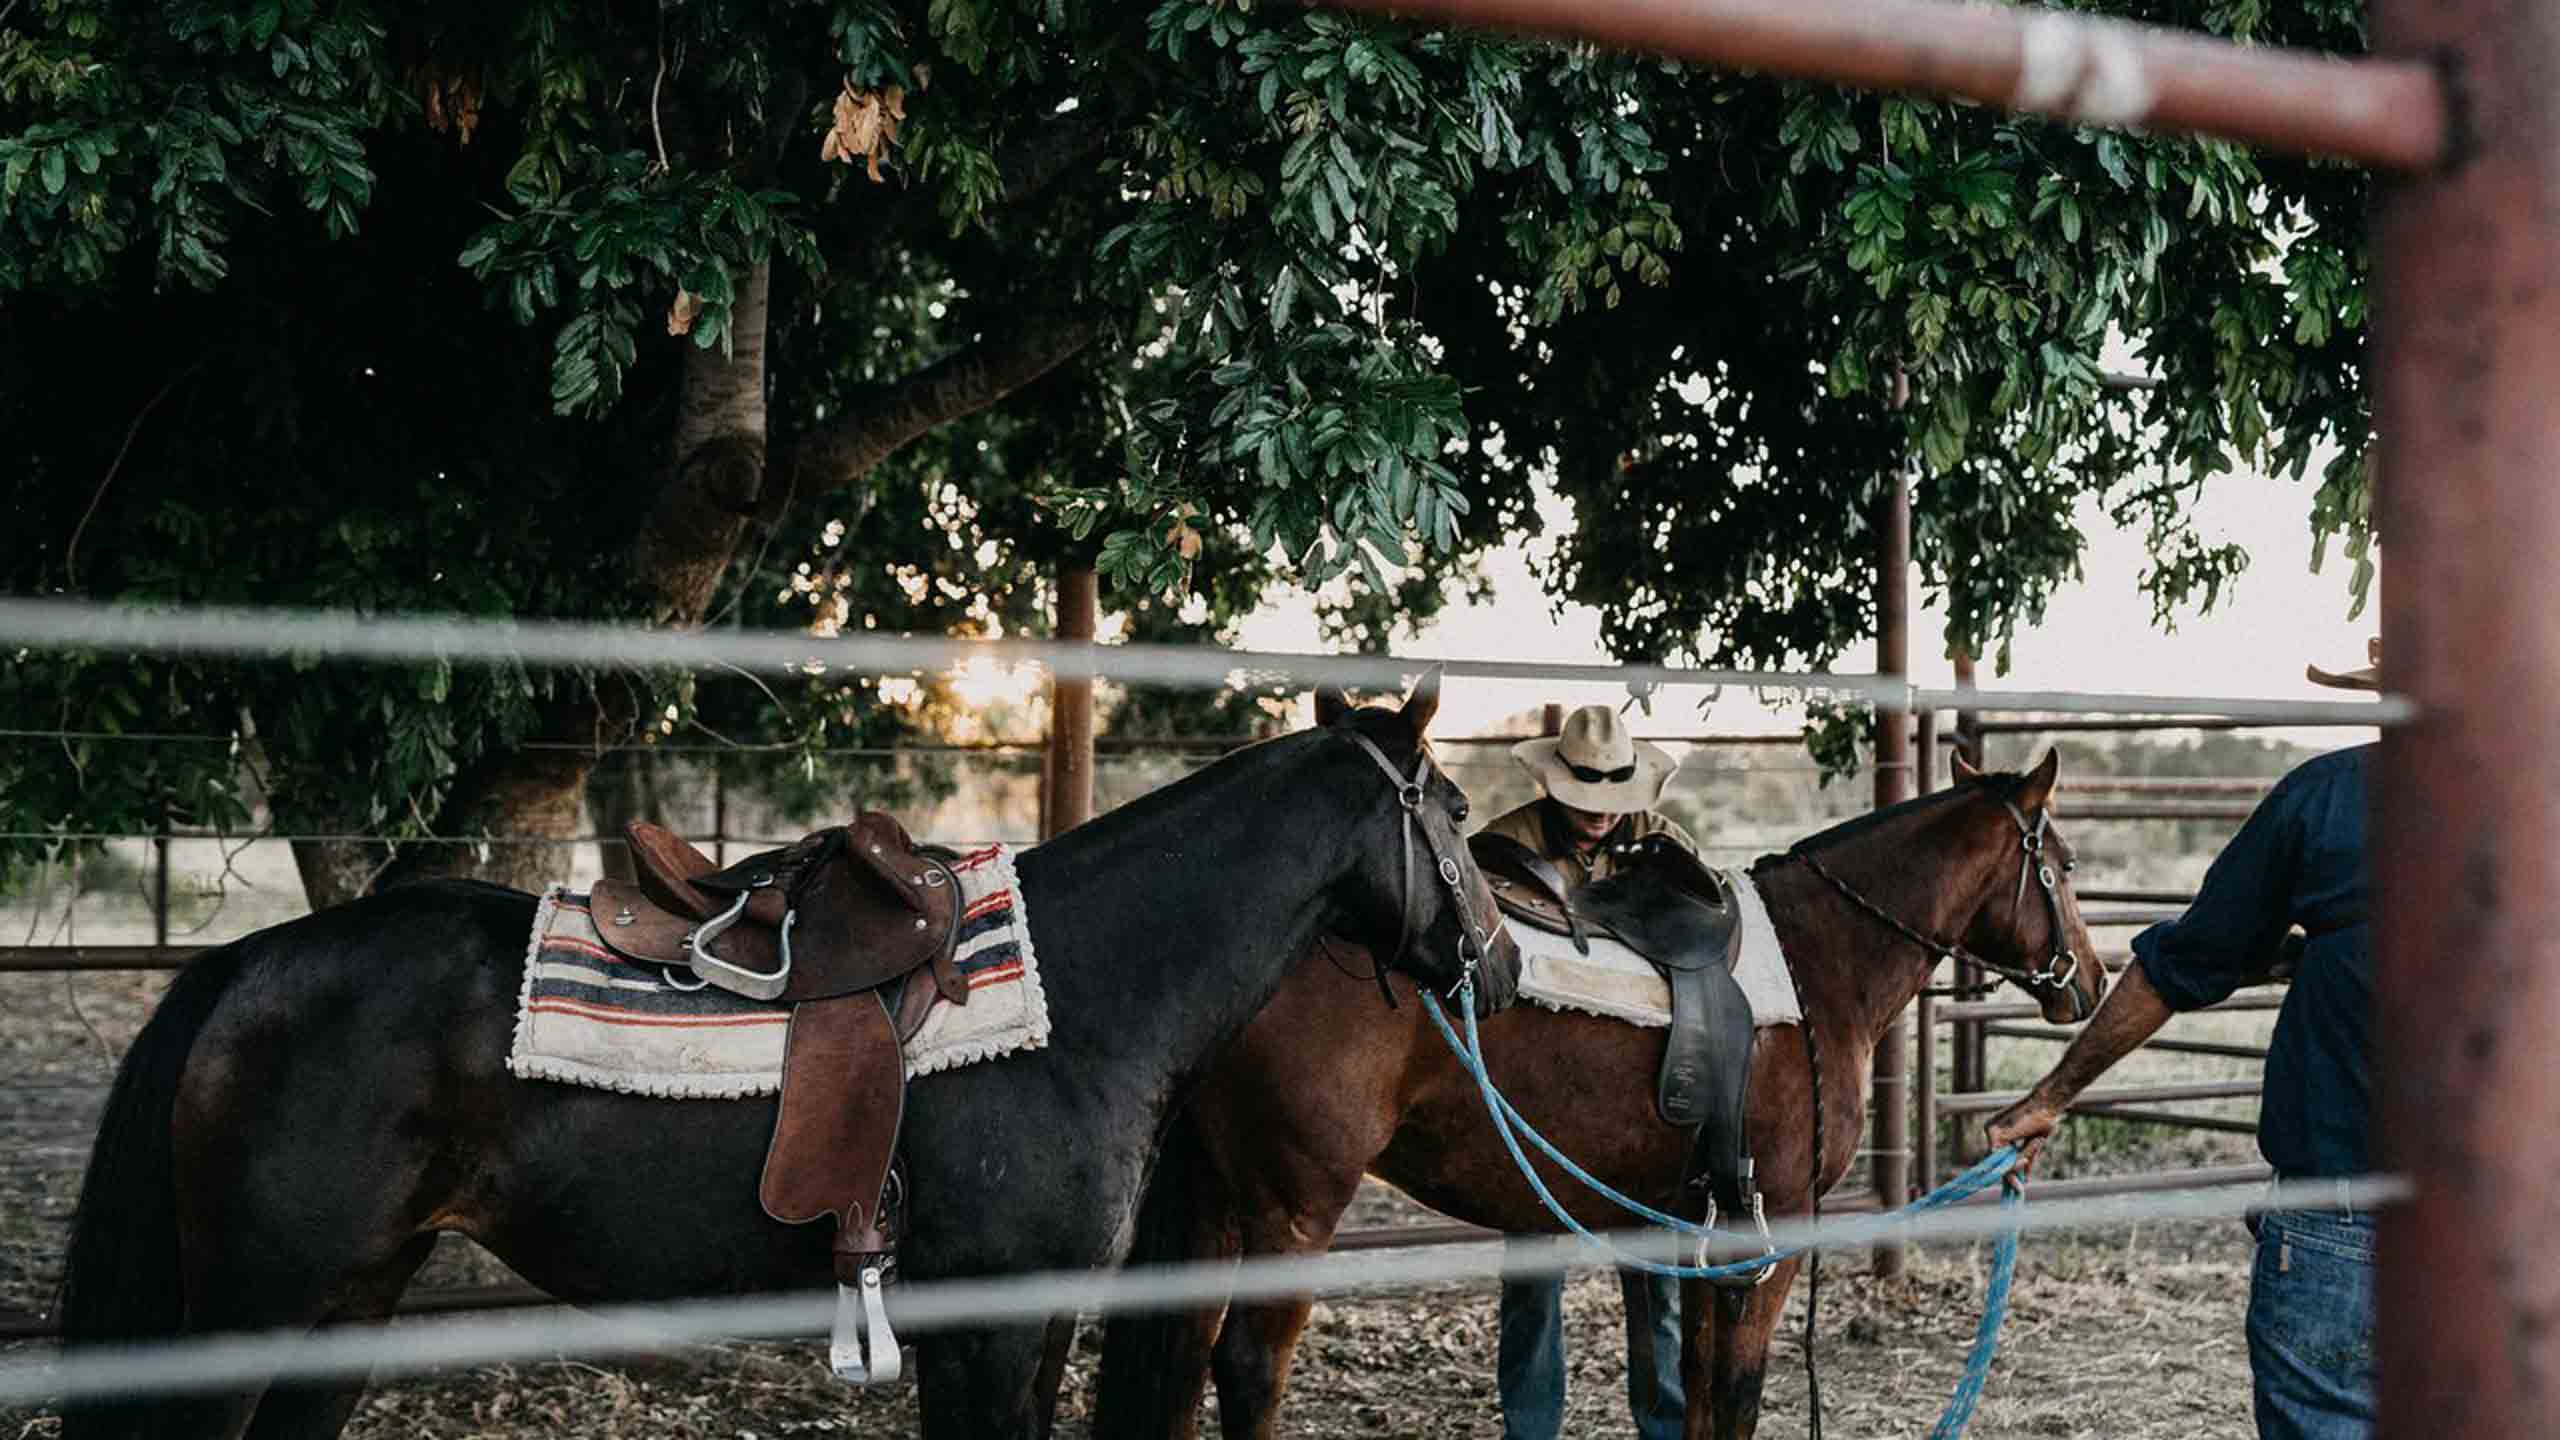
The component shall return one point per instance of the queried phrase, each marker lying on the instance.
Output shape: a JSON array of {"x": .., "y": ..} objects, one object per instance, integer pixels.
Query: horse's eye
[{"x": 1460, "y": 814}]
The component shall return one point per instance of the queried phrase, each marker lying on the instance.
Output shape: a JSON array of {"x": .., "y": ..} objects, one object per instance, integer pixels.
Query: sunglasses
[{"x": 1589, "y": 776}]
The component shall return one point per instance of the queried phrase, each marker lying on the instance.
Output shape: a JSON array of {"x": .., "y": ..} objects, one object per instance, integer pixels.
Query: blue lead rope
[{"x": 1996, "y": 1168}]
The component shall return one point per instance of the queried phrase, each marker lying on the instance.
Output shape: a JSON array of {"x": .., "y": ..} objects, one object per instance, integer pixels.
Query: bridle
[
  {"x": 2060, "y": 966},
  {"x": 1474, "y": 941}
]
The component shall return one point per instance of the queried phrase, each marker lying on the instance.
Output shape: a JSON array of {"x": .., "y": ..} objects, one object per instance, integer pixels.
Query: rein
[
  {"x": 1997, "y": 1168},
  {"x": 2059, "y": 967}
]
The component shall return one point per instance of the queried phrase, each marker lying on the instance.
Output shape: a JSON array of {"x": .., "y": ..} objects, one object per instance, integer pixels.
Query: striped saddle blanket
[
  {"x": 587, "y": 1016},
  {"x": 1617, "y": 982}
]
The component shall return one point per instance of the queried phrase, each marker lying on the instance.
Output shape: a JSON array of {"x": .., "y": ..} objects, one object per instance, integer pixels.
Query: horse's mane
[{"x": 2003, "y": 785}]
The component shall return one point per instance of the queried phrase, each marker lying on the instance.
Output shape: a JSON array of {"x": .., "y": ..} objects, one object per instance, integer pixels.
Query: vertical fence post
[
  {"x": 1924, "y": 1011},
  {"x": 1892, "y": 1082},
  {"x": 1970, "y": 1039},
  {"x": 1071, "y": 711},
  {"x": 2465, "y": 835},
  {"x": 160, "y": 882},
  {"x": 719, "y": 812}
]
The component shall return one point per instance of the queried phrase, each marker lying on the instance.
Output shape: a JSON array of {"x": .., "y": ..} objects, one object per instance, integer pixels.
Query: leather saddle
[
  {"x": 854, "y": 928},
  {"x": 1662, "y": 903}
]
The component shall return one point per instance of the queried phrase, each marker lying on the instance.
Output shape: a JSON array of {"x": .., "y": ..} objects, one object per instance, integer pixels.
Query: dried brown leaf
[{"x": 866, "y": 125}]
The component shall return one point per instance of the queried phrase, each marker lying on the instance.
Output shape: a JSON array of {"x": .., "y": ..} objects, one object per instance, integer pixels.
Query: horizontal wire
[
  {"x": 277, "y": 633},
  {"x": 222, "y": 1362}
]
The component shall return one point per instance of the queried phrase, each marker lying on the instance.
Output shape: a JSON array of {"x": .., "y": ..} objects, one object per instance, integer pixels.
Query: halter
[
  {"x": 1474, "y": 943},
  {"x": 2059, "y": 966}
]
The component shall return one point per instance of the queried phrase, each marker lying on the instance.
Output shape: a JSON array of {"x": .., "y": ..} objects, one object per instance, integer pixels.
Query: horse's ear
[
  {"x": 1424, "y": 702},
  {"x": 1331, "y": 705},
  {"x": 1962, "y": 768},
  {"x": 2037, "y": 792}
]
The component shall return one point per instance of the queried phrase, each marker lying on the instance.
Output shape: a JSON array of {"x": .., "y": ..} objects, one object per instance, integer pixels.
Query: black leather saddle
[{"x": 1664, "y": 905}]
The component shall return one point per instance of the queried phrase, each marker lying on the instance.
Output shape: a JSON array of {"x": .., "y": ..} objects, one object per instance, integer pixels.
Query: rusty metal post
[
  {"x": 2466, "y": 834},
  {"x": 160, "y": 881},
  {"x": 1924, "y": 1011},
  {"x": 1071, "y": 711},
  {"x": 1892, "y": 1084},
  {"x": 2386, "y": 112},
  {"x": 1551, "y": 719},
  {"x": 1970, "y": 1039},
  {"x": 719, "y": 811}
]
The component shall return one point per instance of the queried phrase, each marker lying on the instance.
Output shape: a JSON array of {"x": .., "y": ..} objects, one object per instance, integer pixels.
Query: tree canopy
[{"x": 873, "y": 312}]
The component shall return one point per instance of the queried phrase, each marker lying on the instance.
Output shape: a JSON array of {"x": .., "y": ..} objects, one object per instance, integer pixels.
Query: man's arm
[{"x": 2132, "y": 1013}]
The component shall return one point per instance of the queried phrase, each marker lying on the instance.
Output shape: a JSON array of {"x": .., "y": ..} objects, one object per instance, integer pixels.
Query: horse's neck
[
  {"x": 1175, "y": 918},
  {"x": 1855, "y": 971}
]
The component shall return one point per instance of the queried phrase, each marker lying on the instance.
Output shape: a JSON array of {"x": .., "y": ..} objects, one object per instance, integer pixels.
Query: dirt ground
[{"x": 2124, "y": 1333}]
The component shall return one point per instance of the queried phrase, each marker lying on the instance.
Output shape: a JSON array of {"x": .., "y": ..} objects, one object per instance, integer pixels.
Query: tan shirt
[{"x": 1533, "y": 825}]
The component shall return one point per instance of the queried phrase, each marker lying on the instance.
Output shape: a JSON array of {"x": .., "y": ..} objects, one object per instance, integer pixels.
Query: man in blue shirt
[{"x": 2299, "y": 861}]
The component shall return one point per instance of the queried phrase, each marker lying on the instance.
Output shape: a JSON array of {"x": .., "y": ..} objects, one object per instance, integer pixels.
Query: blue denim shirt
[{"x": 2300, "y": 860}]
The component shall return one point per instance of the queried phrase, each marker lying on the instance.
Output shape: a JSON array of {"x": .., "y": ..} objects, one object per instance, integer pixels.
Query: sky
[{"x": 2096, "y": 635}]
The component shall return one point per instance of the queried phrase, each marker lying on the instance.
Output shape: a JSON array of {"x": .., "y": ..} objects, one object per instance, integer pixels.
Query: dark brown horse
[
  {"x": 1281, "y": 1131},
  {"x": 309, "y": 1106}
]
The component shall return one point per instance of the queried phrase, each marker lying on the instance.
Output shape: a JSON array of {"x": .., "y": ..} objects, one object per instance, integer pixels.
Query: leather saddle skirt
[{"x": 1663, "y": 904}]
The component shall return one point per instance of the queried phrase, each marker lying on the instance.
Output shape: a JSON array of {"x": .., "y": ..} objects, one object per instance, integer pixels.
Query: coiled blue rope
[{"x": 1996, "y": 1168}]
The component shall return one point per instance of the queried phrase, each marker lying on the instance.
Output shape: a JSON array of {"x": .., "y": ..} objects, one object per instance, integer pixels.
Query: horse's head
[
  {"x": 1415, "y": 898},
  {"x": 2028, "y": 924}
]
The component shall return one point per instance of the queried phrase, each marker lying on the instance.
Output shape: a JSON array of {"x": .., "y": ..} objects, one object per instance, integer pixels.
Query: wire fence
[
  {"x": 927, "y": 1307},
  {"x": 273, "y": 634}
]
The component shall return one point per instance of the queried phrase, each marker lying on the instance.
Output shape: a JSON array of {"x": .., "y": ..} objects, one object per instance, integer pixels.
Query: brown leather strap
[{"x": 844, "y": 1084}]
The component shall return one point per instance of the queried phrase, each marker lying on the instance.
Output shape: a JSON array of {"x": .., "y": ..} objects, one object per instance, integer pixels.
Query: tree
[
  {"x": 1724, "y": 443},
  {"x": 543, "y": 310}
]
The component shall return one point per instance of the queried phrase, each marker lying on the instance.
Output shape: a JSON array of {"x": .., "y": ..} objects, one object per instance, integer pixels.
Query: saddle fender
[{"x": 1666, "y": 906}]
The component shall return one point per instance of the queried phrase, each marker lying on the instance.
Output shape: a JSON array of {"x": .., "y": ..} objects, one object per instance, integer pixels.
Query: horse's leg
[
  {"x": 1060, "y": 1338},
  {"x": 1252, "y": 1360},
  {"x": 262, "y": 1242},
  {"x": 983, "y": 1384},
  {"x": 320, "y": 1411},
  {"x": 1260, "y": 1339},
  {"x": 1726, "y": 1359}
]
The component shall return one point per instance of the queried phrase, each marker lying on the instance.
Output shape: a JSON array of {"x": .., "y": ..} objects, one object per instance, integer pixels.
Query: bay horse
[
  {"x": 1275, "y": 1140},
  {"x": 308, "y": 1107}
]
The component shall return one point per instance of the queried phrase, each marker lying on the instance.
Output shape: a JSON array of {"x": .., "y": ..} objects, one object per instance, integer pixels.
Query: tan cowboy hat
[
  {"x": 2368, "y": 678},
  {"x": 1596, "y": 765}
]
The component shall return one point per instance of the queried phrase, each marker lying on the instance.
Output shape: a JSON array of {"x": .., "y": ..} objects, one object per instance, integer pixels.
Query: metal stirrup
[{"x": 864, "y": 1351}]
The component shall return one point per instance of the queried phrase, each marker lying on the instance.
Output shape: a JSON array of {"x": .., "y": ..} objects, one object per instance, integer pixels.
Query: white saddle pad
[{"x": 1617, "y": 982}]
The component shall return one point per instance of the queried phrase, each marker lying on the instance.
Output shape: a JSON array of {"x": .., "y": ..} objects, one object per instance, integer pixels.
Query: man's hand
[
  {"x": 2027, "y": 1125},
  {"x": 2132, "y": 1013}
]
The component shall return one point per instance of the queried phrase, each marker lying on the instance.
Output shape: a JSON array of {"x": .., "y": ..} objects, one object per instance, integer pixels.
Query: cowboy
[
  {"x": 1601, "y": 784},
  {"x": 2299, "y": 860}
]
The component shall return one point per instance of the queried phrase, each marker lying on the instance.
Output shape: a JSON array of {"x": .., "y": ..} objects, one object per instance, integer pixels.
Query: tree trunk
[
  {"x": 625, "y": 787},
  {"x": 336, "y": 871},
  {"x": 717, "y": 477},
  {"x": 714, "y": 479}
]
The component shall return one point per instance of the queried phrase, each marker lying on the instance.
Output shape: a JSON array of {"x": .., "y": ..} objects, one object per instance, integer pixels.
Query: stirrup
[
  {"x": 1768, "y": 1245},
  {"x": 738, "y": 979},
  {"x": 863, "y": 1351}
]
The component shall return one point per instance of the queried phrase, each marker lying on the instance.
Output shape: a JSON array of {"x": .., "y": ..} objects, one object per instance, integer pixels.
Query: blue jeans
[
  {"x": 1530, "y": 1362},
  {"x": 2311, "y": 1325}
]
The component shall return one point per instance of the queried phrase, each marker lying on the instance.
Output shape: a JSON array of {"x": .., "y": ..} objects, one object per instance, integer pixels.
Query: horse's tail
[
  {"x": 1152, "y": 1366},
  {"x": 121, "y": 1277}
]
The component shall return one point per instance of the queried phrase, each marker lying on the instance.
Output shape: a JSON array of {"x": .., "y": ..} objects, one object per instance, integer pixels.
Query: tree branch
[{"x": 956, "y": 385}]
